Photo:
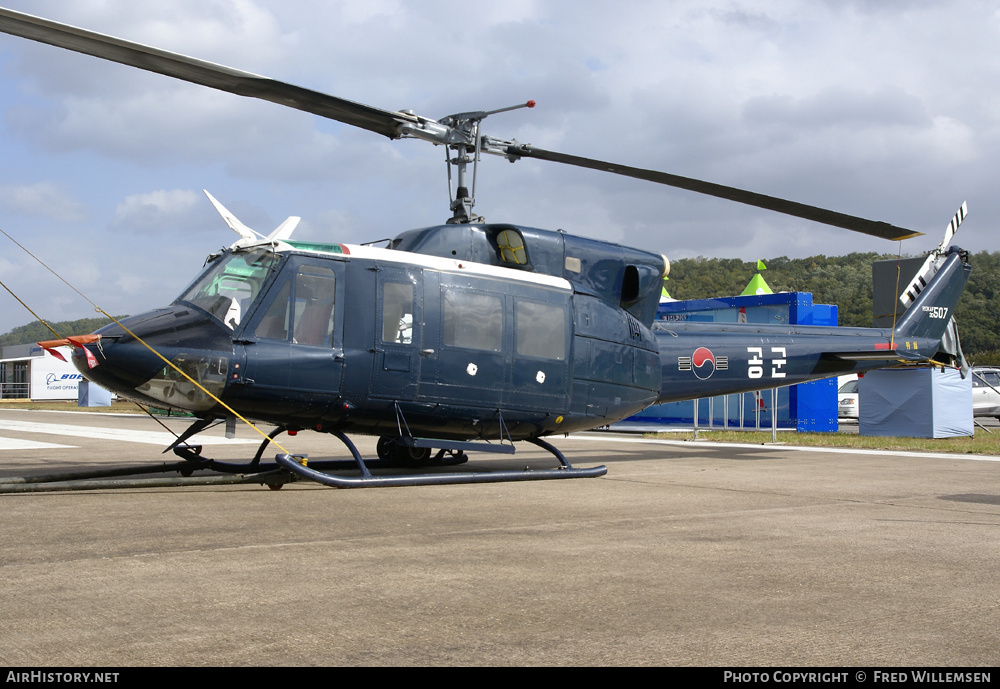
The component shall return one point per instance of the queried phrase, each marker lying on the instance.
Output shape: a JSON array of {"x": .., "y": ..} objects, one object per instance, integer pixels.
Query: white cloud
[
  {"x": 156, "y": 212},
  {"x": 878, "y": 109},
  {"x": 43, "y": 200}
]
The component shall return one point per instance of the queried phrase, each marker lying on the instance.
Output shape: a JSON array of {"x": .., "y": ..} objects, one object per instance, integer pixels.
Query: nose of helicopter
[{"x": 127, "y": 358}]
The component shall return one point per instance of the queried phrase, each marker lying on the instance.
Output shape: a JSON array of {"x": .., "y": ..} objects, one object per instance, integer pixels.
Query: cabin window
[
  {"x": 303, "y": 307},
  {"x": 473, "y": 320},
  {"x": 541, "y": 330},
  {"x": 397, "y": 312},
  {"x": 510, "y": 244}
]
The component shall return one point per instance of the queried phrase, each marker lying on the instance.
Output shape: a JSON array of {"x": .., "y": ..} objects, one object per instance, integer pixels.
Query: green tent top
[{"x": 756, "y": 286}]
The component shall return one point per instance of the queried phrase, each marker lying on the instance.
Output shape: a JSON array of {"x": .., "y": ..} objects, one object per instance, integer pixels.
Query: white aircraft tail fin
[{"x": 930, "y": 266}]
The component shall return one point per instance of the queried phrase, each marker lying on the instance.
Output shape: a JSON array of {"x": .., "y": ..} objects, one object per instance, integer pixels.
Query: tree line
[
  {"x": 36, "y": 332},
  {"x": 847, "y": 282},
  {"x": 842, "y": 280}
]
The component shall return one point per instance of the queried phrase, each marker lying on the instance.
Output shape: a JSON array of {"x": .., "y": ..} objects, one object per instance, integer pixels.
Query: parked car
[
  {"x": 847, "y": 398},
  {"x": 986, "y": 399}
]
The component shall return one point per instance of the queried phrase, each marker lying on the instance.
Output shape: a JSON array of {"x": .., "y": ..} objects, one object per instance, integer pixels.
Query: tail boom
[{"x": 706, "y": 359}]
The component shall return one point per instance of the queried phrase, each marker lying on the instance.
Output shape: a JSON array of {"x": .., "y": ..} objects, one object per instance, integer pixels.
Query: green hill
[
  {"x": 847, "y": 282},
  {"x": 36, "y": 332},
  {"x": 842, "y": 280}
]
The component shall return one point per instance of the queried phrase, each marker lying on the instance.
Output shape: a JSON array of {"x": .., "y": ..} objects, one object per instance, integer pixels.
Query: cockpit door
[{"x": 293, "y": 344}]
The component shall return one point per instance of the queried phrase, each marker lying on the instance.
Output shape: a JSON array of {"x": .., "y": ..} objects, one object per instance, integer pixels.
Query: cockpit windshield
[{"x": 229, "y": 285}]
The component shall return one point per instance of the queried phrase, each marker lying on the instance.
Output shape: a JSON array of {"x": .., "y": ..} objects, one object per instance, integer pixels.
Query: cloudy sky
[{"x": 886, "y": 109}]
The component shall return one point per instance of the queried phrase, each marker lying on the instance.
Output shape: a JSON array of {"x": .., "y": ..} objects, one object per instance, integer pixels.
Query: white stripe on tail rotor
[{"x": 930, "y": 266}]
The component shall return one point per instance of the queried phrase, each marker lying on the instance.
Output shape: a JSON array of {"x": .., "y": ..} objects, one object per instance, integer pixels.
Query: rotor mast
[{"x": 459, "y": 134}]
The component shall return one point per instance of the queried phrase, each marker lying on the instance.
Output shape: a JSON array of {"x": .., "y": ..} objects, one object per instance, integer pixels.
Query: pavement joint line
[
  {"x": 18, "y": 444},
  {"x": 796, "y": 448},
  {"x": 109, "y": 414},
  {"x": 160, "y": 438}
]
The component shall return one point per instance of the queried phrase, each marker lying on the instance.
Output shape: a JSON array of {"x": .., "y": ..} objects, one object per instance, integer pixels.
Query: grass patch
[{"x": 983, "y": 443}]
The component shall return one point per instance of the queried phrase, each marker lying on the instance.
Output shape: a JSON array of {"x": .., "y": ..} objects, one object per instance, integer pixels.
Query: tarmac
[{"x": 685, "y": 553}]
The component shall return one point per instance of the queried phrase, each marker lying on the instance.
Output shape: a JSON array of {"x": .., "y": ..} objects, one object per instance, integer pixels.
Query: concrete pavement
[{"x": 685, "y": 553}]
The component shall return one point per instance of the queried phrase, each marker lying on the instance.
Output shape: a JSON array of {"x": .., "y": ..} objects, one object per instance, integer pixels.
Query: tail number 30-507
[{"x": 757, "y": 362}]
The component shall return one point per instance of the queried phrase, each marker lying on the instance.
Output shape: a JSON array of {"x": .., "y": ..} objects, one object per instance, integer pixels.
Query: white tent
[{"x": 915, "y": 403}]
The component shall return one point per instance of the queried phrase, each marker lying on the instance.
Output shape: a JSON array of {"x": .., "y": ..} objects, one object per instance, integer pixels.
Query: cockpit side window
[
  {"x": 275, "y": 323},
  {"x": 303, "y": 308},
  {"x": 315, "y": 287}
]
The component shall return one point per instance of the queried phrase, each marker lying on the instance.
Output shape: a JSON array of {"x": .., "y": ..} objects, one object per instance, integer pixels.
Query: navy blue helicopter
[{"x": 464, "y": 336}]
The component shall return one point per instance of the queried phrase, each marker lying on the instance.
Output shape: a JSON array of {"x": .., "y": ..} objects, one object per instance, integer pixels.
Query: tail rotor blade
[{"x": 930, "y": 266}]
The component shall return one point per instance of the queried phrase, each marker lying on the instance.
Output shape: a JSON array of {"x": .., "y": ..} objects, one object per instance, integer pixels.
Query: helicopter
[{"x": 457, "y": 337}]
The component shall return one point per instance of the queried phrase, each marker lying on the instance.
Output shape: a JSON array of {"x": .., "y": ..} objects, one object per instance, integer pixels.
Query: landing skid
[
  {"x": 290, "y": 468},
  {"x": 297, "y": 464}
]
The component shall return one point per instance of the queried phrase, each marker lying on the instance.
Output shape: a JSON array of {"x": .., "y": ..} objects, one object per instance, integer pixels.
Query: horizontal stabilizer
[{"x": 887, "y": 355}]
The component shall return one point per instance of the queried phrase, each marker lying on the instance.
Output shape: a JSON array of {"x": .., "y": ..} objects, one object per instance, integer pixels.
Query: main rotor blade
[
  {"x": 388, "y": 123},
  {"x": 202, "y": 72},
  {"x": 750, "y": 198}
]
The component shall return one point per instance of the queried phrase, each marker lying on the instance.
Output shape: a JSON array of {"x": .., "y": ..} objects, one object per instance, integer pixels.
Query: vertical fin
[{"x": 930, "y": 313}]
